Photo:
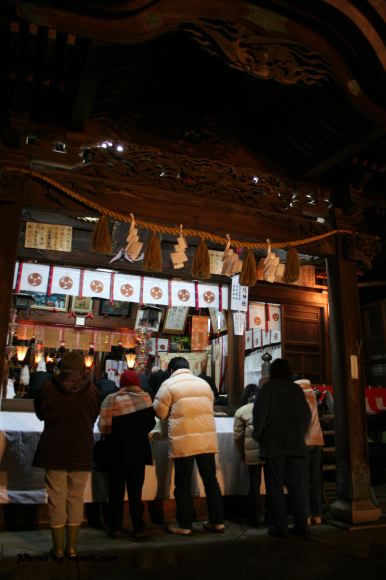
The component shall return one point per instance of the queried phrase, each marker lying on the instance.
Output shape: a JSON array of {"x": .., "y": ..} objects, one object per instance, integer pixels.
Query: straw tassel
[
  {"x": 292, "y": 267},
  {"x": 152, "y": 261},
  {"x": 201, "y": 262},
  {"x": 248, "y": 274},
  {"x": 101, "y": 238}
]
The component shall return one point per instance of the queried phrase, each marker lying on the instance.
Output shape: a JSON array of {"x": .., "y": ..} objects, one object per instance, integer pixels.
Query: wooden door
[{"x": 303, "y": 340}]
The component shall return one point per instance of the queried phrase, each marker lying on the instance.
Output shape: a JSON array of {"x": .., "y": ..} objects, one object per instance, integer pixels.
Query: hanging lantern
[
  {"x": 88, "y": 361},
  {"x": 38, "y": 357},
  {"x": 130, "y": 359},
  {"x": 21, "y": 351}
]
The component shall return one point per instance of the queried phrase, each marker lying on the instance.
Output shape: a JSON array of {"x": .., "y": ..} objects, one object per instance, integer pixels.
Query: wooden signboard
[
  {"x": 200, "y": 327},
  {"x": 48, "y": 237}
]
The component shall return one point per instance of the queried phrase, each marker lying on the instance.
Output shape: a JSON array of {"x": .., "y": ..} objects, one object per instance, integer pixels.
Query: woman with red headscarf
[{"x": 126, "y": 418}]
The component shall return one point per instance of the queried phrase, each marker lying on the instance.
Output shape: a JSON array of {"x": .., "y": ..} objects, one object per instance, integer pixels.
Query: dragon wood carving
[{"x": 285, "y": 62}]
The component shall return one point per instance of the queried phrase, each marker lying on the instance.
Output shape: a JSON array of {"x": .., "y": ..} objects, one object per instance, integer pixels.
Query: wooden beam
[
  {"x": 353, "y": 148},
  {"x": 92, "y": 72},
  {"x": 354, "y": 503}
]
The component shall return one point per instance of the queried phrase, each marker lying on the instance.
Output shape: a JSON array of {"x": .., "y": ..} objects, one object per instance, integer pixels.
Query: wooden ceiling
[{"x": 295, "y": 85}]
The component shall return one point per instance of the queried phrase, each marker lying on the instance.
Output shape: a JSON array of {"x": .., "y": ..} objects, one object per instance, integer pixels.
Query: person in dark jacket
[
  {"x": 126, "y": 419},
  {"x": 281, "y": 417},
  {"x": 69, "y": 405},
  {"x": 105, "y": 387}
]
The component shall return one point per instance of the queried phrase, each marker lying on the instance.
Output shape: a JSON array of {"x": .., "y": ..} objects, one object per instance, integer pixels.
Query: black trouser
[
  {"x": 254, "y": 499},
  {"x": 183, "y": 467},
  {"x": 314, "y": 474},
  {"x": 286, "y": 471},
  {"x": 131, "y": 476}
]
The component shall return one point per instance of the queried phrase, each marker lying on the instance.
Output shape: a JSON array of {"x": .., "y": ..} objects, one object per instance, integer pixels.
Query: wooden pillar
[
  {"x": 354, "y": 503},
  {"x": 10, "y": 216},
  {"x": 235, "y": 364}
]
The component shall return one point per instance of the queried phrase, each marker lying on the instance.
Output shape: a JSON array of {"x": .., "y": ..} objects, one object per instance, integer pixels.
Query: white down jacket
[
  {"x": 187, "y": 402},
  {"x": 242, "y": 430}
]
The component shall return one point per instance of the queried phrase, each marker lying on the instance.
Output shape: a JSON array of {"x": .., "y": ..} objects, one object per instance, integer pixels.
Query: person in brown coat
[{"x": 69, "y": 406}]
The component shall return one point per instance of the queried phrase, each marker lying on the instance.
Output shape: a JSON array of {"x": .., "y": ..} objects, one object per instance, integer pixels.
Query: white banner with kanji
[
  {"x": 248, "y": 340},
  {"x": 224, "y": 293},
  {"x": 257, "y": 340},
  {"x": 155, "y": 291},
  {"x": 256, "y": 315},
  {"x": 266, "y": 336},
  {"x": 273, "y": 317},
  {"x": 96, "y": 284},
  {"x": 208, "y": 295},
  {"x": 33, "y": 278},
  {"x": 182, "y": 293},
  {"x": 65, "y": 281},
  {"x": 126, "y": 288}
]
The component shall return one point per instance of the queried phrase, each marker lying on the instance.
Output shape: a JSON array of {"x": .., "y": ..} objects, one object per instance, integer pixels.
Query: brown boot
[
  {"x": 57, "y": 549},
  {"x": 72, "y": 540}
]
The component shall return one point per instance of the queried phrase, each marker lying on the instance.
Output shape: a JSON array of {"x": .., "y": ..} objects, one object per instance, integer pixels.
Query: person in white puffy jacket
[{"x": 186, "y": 401}]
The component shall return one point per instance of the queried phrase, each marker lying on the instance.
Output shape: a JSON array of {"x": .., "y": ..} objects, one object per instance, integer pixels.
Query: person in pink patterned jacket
[{"x": 314, "y": 444}]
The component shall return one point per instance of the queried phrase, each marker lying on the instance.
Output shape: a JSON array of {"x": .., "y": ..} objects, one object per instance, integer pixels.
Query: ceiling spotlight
[
  {"x": 255, "y": 179},
  {"x": 119, "y": 148},
  {"x": 104, "y": 145}
]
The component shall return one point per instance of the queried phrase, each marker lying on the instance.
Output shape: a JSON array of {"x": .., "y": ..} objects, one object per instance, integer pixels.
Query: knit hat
[
  {"x": 72, "y": 361},
  {"x": 129, "y": 378}
]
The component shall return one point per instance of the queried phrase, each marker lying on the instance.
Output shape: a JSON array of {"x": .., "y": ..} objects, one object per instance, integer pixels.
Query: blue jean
[{"x": 183, "y": 471}]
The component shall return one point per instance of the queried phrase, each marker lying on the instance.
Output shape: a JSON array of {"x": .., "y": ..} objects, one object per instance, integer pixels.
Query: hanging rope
[{"x": 175, "y": 231}]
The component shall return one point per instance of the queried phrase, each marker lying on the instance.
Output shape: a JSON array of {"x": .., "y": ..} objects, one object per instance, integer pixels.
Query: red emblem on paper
[
  {"x": 156, "y": 292},
  {"x": 183, "y": 295},
  {"x": 35, "y": 279},
  {"x": 209, "y": 297},
  {"x": 275, "y": 316},
  {"x": 162, "y": 347},
  {"x": 65, "y": 282},
  {"x": 96, "y": 286},
  {"x": 127, "y": 290},
  {"x": 257, "y": 320}
]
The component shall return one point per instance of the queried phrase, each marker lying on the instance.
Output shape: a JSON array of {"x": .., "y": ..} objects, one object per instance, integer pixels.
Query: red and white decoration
[
  {"x": 116, "y": 286},
  {"x": 126, "y": 288},
  {"x": 273, "y": 317},
  {"x": 183, "y": 293},
  {"x": 155, "y": 291},
  {"x": 65, "y": 281},
  {"x": 256, "y": 311},
  {"x": 208, "y": 296},
  {"x": 96, "y": 284},
  {"x": 33, "y": 278}
]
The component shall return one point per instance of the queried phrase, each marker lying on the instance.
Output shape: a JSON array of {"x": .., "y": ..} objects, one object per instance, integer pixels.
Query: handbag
[{"x": 101, "y": 454}]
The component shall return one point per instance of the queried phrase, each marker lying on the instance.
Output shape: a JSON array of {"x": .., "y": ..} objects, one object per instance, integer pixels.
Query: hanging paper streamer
[
  {"x": 179, "y": 256},
  {"x": 270, "y": 265},
  {"x": 232, "y": 264},
  {"x": 273, "y": 317}
]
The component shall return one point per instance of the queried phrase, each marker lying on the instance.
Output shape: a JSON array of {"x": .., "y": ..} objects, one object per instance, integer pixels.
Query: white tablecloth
[{"x": 22, "y": 483}]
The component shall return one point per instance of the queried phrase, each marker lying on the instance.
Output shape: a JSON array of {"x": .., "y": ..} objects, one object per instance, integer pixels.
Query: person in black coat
[
  {"x": 281, "y": 417},
  {"x": 126, "y": 418}
]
